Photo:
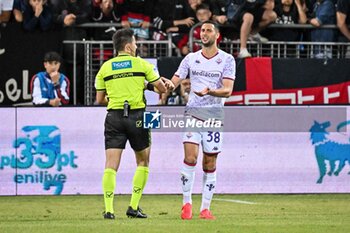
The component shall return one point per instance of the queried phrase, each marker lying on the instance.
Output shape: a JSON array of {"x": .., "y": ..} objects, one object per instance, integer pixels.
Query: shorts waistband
[{"x": 131, "y": 110}]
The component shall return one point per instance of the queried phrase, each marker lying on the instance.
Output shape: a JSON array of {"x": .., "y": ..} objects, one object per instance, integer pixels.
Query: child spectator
[
  {"x": 203, "y": 14},
  {"x": 50, "y": 87}
]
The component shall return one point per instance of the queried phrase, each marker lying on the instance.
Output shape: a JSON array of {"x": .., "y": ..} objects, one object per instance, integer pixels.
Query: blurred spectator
[
  {"x": 179, "y": 96},
  {"x": 219, "y": 10},
  {"x": 6, "y": 7},
  {"x": 225, "y": 12},
  {"x": 50, "y": 87},
  {"x": 71, "y": 12},
  {"x": 343, "y": 20},
  {"x": 34, "y": 14},
  {"x": 194, "y": 4},
  {"x": 288, "y": 12},
  {"x": 172, "y": 16},
  {"x": 18, "y": 9},
  {"x": 68, "y": 13},
  {"x": 253, "y": 16},
  {"x": 105, "y": 11},
  {"x": 323, "y": 13},
  {"x": 203, "y": 14},
  {"x": 137, "y": 16}
]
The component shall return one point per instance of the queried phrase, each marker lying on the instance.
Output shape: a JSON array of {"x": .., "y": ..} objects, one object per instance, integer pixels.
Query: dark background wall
[{"x": 24, "y": 51}]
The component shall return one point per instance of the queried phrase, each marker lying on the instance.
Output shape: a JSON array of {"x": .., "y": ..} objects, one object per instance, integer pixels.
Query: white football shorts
[{"x": 211, "y": 141}]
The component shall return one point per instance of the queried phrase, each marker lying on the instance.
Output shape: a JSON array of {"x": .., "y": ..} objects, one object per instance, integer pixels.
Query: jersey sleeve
[
  {"x": 63, "y": 90},
  {"x": 99, "y": 81},
  {"x": 38, "y": 99},
  {"x": 182, "y": 71},
  {"x": 229, "y": 71},
  {"x": 151, "y": 71}
]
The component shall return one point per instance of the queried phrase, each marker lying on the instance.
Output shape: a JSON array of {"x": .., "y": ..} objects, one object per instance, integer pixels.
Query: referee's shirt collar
[{"x": 123, "y": 54}]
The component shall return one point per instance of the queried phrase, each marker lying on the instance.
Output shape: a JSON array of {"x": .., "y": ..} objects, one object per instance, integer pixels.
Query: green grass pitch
[{"x": 321, "y": 213}]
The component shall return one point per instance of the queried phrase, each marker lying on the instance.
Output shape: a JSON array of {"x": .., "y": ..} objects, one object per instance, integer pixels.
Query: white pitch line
[{"x": 236, "y": 201}]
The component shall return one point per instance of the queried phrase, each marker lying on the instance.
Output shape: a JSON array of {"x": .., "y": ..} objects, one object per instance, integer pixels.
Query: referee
[{"x": 122, "y": 79}]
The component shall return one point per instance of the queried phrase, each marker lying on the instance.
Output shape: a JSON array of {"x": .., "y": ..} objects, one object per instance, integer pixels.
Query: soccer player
[
  {"x": 122, "y": 78},
  {"x": 212, "y": 74}
]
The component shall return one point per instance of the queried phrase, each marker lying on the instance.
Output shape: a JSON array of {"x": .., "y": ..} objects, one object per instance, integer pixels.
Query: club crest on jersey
[
  {"x": 197, "y": 61},
  {"x": 218, "y": 60}
]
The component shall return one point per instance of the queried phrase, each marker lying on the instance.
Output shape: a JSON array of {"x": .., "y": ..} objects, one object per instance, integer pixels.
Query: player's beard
[{"x": 208, "y": 43}]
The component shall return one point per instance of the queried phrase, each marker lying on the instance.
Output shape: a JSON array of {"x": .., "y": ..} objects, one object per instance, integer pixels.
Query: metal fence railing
[
  {"x": 96, "y": 52},
  {"x": 282, "y": 49}
]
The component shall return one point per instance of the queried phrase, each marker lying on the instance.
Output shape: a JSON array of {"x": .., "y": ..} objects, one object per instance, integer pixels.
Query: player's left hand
[{"x": 203, "y": 92}]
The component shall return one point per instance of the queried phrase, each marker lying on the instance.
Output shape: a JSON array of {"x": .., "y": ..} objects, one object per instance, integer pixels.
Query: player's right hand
[{"x": 168, "y": 84}]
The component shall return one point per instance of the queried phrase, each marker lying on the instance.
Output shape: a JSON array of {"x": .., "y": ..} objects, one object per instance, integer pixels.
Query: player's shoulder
[
  {"x": 225, "y": 54},
  {"x": 192, "y": 54},
  {"x": 226, "y": 57}
]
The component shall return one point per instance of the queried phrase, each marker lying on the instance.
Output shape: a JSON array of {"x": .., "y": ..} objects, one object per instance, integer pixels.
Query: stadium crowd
[{"x": 154, "y": 19}]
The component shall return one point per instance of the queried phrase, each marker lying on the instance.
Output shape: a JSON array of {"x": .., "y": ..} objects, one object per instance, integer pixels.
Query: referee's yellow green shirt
[{"x": 123, "y": 78}]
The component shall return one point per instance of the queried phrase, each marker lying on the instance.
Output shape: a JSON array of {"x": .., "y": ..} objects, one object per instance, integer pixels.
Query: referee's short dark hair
[
  {"x": 52, "y": 56},
  {"x": 121, "y": 37}
]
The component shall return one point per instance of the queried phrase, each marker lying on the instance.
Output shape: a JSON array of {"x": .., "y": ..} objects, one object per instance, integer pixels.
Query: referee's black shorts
[{"x": 119, "y": 129}]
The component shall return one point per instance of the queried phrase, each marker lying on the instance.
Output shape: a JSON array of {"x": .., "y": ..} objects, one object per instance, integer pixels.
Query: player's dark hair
[
  {"x": 121, "y": 37},
  {"x": 216, "y": 26},
  {"x": 52, "y": 56}
]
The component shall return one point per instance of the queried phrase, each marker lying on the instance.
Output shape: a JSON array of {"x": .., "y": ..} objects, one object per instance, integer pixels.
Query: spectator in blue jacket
[
  {"x": 50, "y": 87},
  {"x": 323, "y": 13}
]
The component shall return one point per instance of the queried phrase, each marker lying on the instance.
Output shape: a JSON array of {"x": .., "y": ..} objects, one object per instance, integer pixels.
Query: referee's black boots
[
  {"x": 131, "y": 213},
  {"x": 108, "y": 215}
]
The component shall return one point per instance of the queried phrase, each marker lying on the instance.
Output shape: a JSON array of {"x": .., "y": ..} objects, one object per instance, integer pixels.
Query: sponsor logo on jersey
[
  {"x": 203, "y": 73},
  {"x": 121, "y": 65}
]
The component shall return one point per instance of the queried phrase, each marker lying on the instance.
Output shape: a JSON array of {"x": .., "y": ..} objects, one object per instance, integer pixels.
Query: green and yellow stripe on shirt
[{"x": 123, "y": 78}]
